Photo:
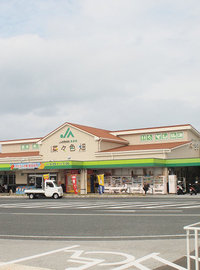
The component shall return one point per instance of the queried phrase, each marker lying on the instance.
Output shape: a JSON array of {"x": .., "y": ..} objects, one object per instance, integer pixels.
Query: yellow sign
[
  {"x": 46, "y": 176},
  {"x": 101, "y": 179}
]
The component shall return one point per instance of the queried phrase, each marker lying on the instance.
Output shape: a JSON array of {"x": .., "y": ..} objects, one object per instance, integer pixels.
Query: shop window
[
  {"x": 24, "y": 147},
  {"x": 7, "y": 179},
  {"x": 35, "y": 146}
]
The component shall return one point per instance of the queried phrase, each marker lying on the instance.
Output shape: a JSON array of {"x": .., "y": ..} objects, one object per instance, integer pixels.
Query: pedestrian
[
  {"x": 146, "y": 188},
  {"x": 5, "y": 187}
]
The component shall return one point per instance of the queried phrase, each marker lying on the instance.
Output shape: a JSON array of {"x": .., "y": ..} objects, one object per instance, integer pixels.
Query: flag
[
  {"x": 46, "y": 176},
  {"x": 74, "y": 182},
  {"x": 101, "y": 183}
]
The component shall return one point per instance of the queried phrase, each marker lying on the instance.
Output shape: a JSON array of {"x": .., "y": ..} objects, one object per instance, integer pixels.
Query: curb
[{"x": 105, "y": 196}]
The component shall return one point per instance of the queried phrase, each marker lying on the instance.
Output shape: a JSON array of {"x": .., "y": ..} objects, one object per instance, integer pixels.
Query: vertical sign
[{"x": 74, "y": 182}]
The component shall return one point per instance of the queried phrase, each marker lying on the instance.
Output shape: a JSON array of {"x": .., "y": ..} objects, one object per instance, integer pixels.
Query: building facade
[{"x": 128, "y": 158}]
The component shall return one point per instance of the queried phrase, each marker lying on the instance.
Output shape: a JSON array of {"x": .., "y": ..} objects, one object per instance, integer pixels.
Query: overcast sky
[{"x": 112, "y": 64}]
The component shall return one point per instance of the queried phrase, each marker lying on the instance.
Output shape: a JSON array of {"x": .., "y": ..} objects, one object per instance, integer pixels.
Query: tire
[
  {"x": 55, "y": 196},
  {"x": 31, "y": 196}
]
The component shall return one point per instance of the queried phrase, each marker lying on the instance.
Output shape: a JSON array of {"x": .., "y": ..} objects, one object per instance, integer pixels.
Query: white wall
[{"x": 186, "y": 151}]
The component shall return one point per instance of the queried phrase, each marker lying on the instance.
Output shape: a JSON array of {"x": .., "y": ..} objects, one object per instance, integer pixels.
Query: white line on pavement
[
  {"x": 132, "y": 205},
  {"x": 65, "y": 214},
  {"x": 106, "y": 214},
  {"x": 37, "y": 255},
  {"x": 165, "y": 205},
  {"x": 191, "y": 206},
  {"x": 143, "y": 211}
]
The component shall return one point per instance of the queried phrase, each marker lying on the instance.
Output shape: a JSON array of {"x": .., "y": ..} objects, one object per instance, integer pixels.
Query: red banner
[{"x": 74, "y": 182}]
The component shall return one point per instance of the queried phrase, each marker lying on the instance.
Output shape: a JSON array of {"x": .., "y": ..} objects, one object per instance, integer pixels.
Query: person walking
[{"x": 146, "y": 188}]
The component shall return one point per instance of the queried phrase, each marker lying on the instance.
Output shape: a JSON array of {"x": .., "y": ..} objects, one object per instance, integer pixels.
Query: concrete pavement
[{"x": 101, "y": 196}]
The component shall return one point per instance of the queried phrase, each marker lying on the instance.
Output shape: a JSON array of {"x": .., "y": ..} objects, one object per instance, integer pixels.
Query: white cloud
[{"x": 110, "y": 64}]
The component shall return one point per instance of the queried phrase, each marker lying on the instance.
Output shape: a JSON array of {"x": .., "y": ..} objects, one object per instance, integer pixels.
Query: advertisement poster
[
  {"x": 74, "y": 182},
  {"x": 101, "y": 183},
  {"x": 46, "y": 176}
]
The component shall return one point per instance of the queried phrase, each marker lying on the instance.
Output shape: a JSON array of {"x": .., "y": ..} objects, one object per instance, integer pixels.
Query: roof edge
[
  {"x": 155, "y": 129},
  {"x": 20, "y": 141}
]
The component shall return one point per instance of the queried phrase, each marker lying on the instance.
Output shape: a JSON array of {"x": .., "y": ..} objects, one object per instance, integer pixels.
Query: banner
[
  {"x": 74, "y": 182},
  {"x": 101, "y": 183},
  {"x": 46, "y": 176},
  {"x": 101, "y": 179},
  {"x": 26, "y": 165}
]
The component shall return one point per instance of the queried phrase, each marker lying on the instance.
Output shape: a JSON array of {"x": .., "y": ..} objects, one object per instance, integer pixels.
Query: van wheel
[
  {"x": 55, "y": 196},
  {"x": 31, "y": 196}
]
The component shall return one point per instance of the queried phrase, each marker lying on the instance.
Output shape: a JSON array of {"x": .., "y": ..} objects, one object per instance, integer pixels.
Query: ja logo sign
[{"x": 67, "y": 134}]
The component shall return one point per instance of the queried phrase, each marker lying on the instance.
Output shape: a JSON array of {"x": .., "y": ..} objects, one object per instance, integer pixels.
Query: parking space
[{"x": 148, "y": 254}]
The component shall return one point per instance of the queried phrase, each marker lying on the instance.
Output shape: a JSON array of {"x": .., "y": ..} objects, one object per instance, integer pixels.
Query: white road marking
[
  {"x": 106, "y": 205},
  {"x": 112, "y": 214},
  {"x": 37, "y": 255},
  {"x": 137, "y": 263},
  {"x": 158, "y": 258},
  {"x": 191, "y": 206},
  {"x": 128, "y": 257},
  {"x": 143, "y": 211},
  {"x": 86, "y": 262},
  {"x": 92, "y": 206},
  {"x": 132, "y": 205},
  {"x": 165, "y": 205}
]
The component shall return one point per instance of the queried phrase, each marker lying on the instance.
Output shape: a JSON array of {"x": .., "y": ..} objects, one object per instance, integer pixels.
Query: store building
[{"x": 127, "y": 158}]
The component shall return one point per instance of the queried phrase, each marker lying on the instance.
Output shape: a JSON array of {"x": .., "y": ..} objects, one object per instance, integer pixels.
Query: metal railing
[{"x": 192, "y": 232}]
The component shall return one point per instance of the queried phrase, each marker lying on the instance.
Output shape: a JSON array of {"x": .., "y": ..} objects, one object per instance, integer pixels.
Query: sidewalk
[{"x": 102, "y": 196}]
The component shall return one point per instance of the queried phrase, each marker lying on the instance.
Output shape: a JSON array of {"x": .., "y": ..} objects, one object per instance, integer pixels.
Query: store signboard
[
  {"x": 158, "y": 137},
  {"x": 26, "y": 165},
  {"x": 67, "y": 134},
  {"x": 68, "y": 137},
  {"x": 147, "y": 137},
  {"x": 162, "y": 136},
  {"x": 176, "y": 135},
  {"x": 69, "y": 143}
]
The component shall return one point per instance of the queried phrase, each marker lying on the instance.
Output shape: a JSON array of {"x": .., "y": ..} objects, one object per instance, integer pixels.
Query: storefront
[
  {"x": 128, "y": 159},
  {"x": 7, "y": 181}
]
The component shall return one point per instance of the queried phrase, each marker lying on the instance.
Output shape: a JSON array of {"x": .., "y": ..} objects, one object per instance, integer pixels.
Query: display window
[{"x": 7, "y": 182}]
